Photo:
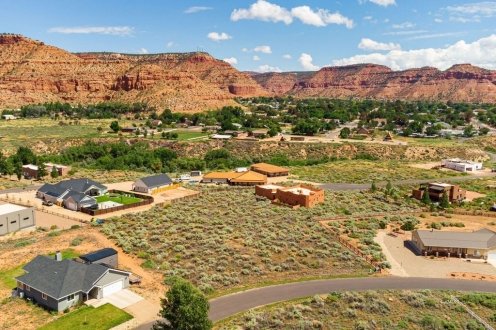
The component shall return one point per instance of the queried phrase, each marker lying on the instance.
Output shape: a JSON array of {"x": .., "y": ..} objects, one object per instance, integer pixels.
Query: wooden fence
[{"x": 474, "y": 212}]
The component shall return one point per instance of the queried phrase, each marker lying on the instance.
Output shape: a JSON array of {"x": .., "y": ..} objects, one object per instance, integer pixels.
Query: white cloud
[
  {"x": 244, "y": 50},
  {"x": 196, "y": 9},
  {"x": 384, "y": 3},
  {"x": 436, "y": 35},
  {"x": 404, "y": 25},
  {"x": 143, "y": 51},
  {"x": 369, "y": 44},
  {"x": 263, "y": 10},
  {"x": 471, "y": 12},
  {"x": 405, "y": 33},
  {"x": 170, "y": 44},
  {"x": 256, "y": 58},
  {"x": 263, "y": 49},
  {"x": 110, "y": 30},
  {"x": 321, "y": 17},
  {"x": 231, "y": 60},
  {"x": 216, "y": 36},
  {"x": 480, "y": 52},
  {"x": 268, "y": 68},
  {"x": 286, "y": 57},
  {"x": 438, "y": 20},
  {"x": 306, "y": 61}
]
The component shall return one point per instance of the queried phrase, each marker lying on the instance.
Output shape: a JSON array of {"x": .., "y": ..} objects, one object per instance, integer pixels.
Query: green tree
[
  {"x": 18, "y": 170},
  {"x": 469, "y": 131},
  {"x": 444, "y": 203},
  {"x": 54, "y": 173},
  {"x": 114, "y": 126},
  {"x": 42, "y": 172},
  {"x": 184, "y": 308},
  {"x": 373, "y": 187},
  {"x": 426, "y": 198},
  {"x": 344, "y": 133},
  {"x": 483, "y": 131}
]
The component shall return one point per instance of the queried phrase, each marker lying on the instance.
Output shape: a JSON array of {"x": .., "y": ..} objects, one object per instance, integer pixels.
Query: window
[
  {"x": 44, "y": 296},
  {"x": 28, "y": 288},
  {"x": 70, "y": 297},
  {"x": 26, "y": 218}
]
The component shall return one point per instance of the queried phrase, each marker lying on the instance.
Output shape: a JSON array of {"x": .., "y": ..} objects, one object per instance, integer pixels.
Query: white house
[{"x": 461, "y": 165}]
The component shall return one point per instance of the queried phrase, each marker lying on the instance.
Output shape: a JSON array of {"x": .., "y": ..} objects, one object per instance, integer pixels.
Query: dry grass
[{"x": 366, "y": 310}]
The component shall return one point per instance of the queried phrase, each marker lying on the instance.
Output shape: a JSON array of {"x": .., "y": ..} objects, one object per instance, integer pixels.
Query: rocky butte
[{"x": 32, "y": 72}]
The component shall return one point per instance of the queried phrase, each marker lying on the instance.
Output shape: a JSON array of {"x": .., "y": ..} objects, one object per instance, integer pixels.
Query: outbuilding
[
  {"x": 152, "y": 184},
  {"x": 15, "y": 217},
  {"x": 106, "y": 256}
]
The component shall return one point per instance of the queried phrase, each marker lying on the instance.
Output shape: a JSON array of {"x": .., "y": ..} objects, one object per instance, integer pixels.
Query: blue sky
[{"x": 269, "y": 35}]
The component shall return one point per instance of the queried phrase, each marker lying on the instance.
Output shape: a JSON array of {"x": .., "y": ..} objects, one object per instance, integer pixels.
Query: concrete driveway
[
  {"x": 405, "y": 263},
  {"x": 121, "y": 299}
]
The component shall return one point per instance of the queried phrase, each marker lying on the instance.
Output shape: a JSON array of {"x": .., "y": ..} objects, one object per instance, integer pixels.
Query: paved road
[
  {"x": 365, "y": 186},
  {"x": 226, "y": 306}
]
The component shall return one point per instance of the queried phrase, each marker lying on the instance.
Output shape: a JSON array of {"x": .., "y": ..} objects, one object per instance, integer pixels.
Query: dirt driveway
[{"x": 405, "y": 263}]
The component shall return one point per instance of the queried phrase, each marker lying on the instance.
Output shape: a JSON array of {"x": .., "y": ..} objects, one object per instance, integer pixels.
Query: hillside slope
[
  {"x": 460, "y": 83},
  {"x": 32, "y": 72}
]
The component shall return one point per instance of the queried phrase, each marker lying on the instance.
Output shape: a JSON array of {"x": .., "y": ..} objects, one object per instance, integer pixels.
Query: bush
[
  {"x": 54, "y": 233},
  {"x": 77, "y": 241}
]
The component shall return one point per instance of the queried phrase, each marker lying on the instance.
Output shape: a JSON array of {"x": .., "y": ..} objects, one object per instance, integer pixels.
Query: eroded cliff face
[
  {"x": 32, "y": 72},
  {"x": 460, "y": 83}
]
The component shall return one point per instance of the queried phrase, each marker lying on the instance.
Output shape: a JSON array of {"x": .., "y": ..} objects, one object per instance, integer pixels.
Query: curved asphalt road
[{"x": 223, "y": 307}]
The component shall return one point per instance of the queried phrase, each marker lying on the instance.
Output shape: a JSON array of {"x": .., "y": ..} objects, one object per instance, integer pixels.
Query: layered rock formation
[
  {"x": 460, "y": 83},
  {"x": 32, "y": 72}
]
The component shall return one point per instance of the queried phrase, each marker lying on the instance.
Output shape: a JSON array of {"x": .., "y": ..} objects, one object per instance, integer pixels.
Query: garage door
[
  {"x": 111, "y": 288},
  {"x": 491, "y": 258}
]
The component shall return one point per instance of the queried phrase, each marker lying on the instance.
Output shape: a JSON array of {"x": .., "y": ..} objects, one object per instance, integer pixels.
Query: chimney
[{"x": 58, "y": 256}]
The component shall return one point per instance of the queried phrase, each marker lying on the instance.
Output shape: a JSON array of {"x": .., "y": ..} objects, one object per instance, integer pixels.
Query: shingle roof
[
  {"x": 481, "y": 239},
  {"x": 76, "y": 185},
  {"x": 77, "y": 196},
  {"x": 97, "y": 255},
  {"x": 60, "y": 278},
  {"x": 249, "y": 176},
  {"x": 54, "y": 190},
  {"x": 156, "y": 180}
]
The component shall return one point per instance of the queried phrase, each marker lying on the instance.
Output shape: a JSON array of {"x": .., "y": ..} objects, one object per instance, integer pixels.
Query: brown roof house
[
  {"x": 270, "y": 170},
  {"x": 246, "y": 178},
  {"x": 477, "y": 244},
  {"x": 302, "y": 195}
]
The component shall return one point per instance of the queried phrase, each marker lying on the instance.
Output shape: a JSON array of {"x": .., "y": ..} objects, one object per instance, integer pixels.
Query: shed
[
  {"x": 152, "y": 184},
  {"x": 107, "y": 256}
]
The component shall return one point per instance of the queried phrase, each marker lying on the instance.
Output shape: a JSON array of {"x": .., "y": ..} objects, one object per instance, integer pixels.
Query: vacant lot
[
  {"x": 227, "y": 239},
  {"x": 89, "y": 318},
  {"x": 371, "y": 310},
  {"x": 365, "y": 171}
]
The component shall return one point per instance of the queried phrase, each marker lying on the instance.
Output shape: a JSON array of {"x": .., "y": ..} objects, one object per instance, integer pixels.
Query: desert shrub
[
  {"x": 77, "y": 241},
  {"x": 54, "y": 233}
]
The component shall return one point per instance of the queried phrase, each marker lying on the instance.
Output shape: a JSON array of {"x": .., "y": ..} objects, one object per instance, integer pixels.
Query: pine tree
[
  {"x": 444, "y": 201},
  {"x": 426, "y": 199}
]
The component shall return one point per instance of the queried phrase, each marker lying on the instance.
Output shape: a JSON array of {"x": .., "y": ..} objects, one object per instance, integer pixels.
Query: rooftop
[
  {"x": 97, "y": 255},
  {"x": 9, "y": 208},
  {"x": 269, "y": 168},
  {"x": 156, "y": 180},
  {"x": 481, "y": 239}
]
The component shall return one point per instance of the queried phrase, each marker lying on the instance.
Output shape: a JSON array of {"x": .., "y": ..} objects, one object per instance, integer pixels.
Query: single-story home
[
  {"x": 152, "y": 184},
  {"x": 461, "y": 165},
  {"x": 221, "y": 137},
  {"x": 260, "y": 133},
  {"x": 9, "y": 117},
  {"x": 270, "y": 170},
  {"x": 477, "y": 244},
  {"x": 156, "y": 122},
  {"x": 105, "y": 256},
  {"x": 59, "y": 284},
  {"x": 301, "y": 195},
  {"x": 15, "y": 217},
  {"x": 30, "y": 171},
  {"x": 247, "y": 178},
  {"x": 72, "y": 194}
]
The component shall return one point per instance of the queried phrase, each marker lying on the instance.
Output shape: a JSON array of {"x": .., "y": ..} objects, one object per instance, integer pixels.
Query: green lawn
[
  {"x": 186, "y": 135},
  {"x": 121, "y": 199},
  {"x": 7, "y": 276},
  {"x": 90, "y": 318}
]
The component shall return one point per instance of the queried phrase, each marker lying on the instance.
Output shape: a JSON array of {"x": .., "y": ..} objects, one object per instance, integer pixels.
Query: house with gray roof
[
  {"x": 152, "y": 184},
  {"x": 72, "y": 194},
  {"x": 477, "y": 244},
  {"x": 59, "y": 284}
]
